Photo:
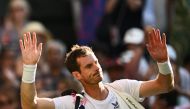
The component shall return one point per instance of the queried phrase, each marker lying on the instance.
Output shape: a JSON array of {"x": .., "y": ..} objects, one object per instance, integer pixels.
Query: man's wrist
[
  {"x": 29, "y": 73},
  {"x": 165, "y": 68}
]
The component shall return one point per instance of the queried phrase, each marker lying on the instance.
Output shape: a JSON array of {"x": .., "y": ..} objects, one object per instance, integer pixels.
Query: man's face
[{"x": 90, "y": 69}]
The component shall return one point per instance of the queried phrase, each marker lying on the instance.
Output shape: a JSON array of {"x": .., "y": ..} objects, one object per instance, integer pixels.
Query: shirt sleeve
[
  {"x": 64, "y": 102},
  {"x": 132, "y": 87}
]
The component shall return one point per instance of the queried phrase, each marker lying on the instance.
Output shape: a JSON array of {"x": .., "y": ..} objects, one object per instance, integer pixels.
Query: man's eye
[
  {"x": 89, "y": 66},
  {"x": 96, "y": 62}
]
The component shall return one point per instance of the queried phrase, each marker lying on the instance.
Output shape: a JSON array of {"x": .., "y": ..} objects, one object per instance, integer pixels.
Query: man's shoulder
[
  {"x": 125, "y": 81},
  {"x": 124, "y": 84},
  {"x": 63, "y": 102},
  {"x": 120, "y": 81},
  {"x": 117, "y": 84},
  {"x": 65, "y": 98}
]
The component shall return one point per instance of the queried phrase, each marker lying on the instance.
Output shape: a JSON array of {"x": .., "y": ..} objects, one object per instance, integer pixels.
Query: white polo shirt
[{"x": 129, "y": 86}]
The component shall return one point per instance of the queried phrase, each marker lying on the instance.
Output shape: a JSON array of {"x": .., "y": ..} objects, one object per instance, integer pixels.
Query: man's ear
[{"x": 77, "y": 75}]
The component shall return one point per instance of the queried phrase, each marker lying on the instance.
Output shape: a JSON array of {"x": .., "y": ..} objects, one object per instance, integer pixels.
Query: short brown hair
[{"x": 76, "y": 52}]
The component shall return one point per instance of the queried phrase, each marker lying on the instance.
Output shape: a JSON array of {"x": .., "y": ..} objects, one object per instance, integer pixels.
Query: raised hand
[
  {"x": 156, "y": 46},
  {"x": 30, "y": 51}
]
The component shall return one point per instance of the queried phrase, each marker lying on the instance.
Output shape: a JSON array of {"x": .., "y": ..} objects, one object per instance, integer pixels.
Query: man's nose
[{"x": 97, "y": 66}]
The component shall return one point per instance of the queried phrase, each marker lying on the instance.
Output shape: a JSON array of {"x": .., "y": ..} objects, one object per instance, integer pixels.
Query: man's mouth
[{"x": 97, "y": 73}]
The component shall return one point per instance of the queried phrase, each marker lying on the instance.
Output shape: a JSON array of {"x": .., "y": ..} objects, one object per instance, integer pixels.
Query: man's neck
[{"x": 98, "y": 92}]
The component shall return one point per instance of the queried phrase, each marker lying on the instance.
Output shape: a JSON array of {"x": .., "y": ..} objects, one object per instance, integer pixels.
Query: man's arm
[
  {"x": 164, "y": 82},
  {"x": 31, "y": 54}
]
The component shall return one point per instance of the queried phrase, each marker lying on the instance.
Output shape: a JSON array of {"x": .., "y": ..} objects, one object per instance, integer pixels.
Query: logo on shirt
[{"x": 116, "y": 105}]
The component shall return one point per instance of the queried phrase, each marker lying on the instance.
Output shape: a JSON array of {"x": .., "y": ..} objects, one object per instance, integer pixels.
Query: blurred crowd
[{"x": 115, "y": 29}]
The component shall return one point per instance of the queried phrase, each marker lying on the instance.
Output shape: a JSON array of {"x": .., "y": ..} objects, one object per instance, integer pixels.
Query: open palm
[
  {"x": 156, "y": 46},
  {"x": 30, "y": 51}
]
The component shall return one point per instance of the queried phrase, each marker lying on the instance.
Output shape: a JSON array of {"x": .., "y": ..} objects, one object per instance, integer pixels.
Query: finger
[
  {"x": 158, "y": 36},
  {"x": 148, "y": 48},
  {"x": 148, "y": 37},
  {"x": 40, "y": 47},
  {"x": 164, "y": 38},
  {"x": 155, "y": 35},
  {"x": 152, "y": 37},
  {"x": 21, "y": 45},
  {"x": 25, "y": 41},
  {"x": 29, "y": 39},
  {"x": 147, "y": 45},
  {"x": 34, "y": 39}
]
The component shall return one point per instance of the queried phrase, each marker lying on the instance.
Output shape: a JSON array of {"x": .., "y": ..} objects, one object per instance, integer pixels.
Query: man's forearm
[
  {"x": 166, "y": 77},
  {"x": 28, "y": 94},
  {"x": 28, "y": 90},
  {"x": 162, "y": 84},
  {"x": 165, "y": 83}
]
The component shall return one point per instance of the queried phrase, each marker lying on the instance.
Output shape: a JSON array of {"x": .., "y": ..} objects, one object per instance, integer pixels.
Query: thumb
[
  {"x": 164, "y": 38},
  {"x": 148, "y": 47},
  {"x": 40, "y": 47}
]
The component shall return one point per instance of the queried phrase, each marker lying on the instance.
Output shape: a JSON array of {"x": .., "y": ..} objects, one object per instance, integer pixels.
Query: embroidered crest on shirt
[{"x": 116, "y": 105}]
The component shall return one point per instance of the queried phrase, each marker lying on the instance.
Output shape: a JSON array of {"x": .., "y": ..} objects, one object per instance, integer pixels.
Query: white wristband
[
  {"x": 165, "y": 68},
  {"x": 29, "y": 73}
]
